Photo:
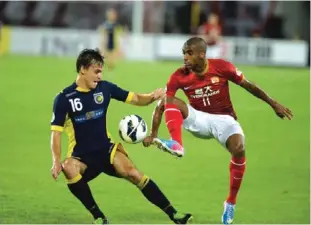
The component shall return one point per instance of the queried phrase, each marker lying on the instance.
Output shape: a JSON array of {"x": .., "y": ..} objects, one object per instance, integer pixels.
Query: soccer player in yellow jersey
[
  {"x": 80, "y": 109},
  {"x": 110, "y": 32}
]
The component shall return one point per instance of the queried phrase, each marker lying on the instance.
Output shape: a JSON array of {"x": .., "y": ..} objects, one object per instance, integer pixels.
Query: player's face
[
  {"x": 192, "y": 57},
  {"x": 112, "y": 16},
  {"x": 92, "y": 75},
  {"x": 213, "y": 19}
]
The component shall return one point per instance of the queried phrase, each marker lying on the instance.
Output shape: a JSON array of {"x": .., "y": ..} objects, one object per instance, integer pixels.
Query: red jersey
[
  {"x": 209, "y": 93},
  {"x": 207, "y": 28}
]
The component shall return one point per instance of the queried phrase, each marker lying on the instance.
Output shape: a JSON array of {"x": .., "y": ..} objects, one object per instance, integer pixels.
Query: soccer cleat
[
  {"x": 170, "y": 146},
  {"x": 227, "y": 216},
  {"x": 101, "y": 221},
  {"x": 182, "y": 218}
]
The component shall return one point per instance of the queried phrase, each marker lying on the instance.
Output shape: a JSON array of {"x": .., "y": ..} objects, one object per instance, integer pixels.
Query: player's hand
[
  {"x": 282, "y": 112},
  {"x": 148, "y": 141},
  {"x": 56, "y": 169},
  {"x": 158, "y": 94}
]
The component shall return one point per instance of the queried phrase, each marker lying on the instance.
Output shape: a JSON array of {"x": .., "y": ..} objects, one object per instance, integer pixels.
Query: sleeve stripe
[
  {"x": 129, "y": 97},
  {"x": 57, "y": 128}
]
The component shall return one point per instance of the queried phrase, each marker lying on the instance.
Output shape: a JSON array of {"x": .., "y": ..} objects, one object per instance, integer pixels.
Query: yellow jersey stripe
[
  {"x": 129, "y": 97},
  {"x": 57, "y": 128},
  {"x": 71, "y": 136},
  {"x": 113, "y": 152},
  {"x": 82, "y": 89}
]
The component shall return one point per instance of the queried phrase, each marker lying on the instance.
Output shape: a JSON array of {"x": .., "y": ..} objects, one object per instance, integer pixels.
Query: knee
[
  {"x": 132, "y": 175},
  {"x": 182, "y": 106},
  {"x": 69, "y": 168},
  {"x": 237, "y": 149},
  {"x": 169, "y": 100},
  {"x": 67, "y": 165}
]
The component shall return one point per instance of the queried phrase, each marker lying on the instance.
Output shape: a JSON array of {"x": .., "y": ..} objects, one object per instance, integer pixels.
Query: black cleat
[
  {"x": 182, "y": 218},
  {"x": 101, "y": 221}
]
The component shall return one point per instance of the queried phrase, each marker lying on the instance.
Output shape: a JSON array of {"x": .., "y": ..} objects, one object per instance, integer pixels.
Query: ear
[
  {"x": 202, "y": 55},
  {"x": 82, "y": 70}
]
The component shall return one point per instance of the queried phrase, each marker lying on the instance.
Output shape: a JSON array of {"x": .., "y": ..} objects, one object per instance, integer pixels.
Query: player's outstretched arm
[
  {"x": 146, "y": 99},
  {"x": 56, "y": 153},
  {"x": 279, "y": 109},
  {"x": 155, "y": 124}
]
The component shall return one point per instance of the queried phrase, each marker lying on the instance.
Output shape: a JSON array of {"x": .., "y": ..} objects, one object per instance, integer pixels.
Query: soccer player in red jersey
[
  {"x": 210, "y": 113},
  {"x": 211, "y": 32}
]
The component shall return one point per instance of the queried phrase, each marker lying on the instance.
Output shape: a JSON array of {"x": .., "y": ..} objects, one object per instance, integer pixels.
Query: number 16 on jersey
[{"x": 76, "y": 104}]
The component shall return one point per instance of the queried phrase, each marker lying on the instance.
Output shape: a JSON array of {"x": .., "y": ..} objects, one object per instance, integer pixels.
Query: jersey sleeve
[
  {"x": 60, "y": 110},
  {"x": 120, "y": 94},
  {"x": 232, "y": 73},
  {"x": 172, "y": 85},
  {"x": 103, "y": 25}
]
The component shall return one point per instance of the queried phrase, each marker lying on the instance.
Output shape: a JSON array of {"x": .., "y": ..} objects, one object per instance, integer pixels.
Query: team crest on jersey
[
  {"x": 215, "y": 80},
  {"x": 98, "y": 98}
]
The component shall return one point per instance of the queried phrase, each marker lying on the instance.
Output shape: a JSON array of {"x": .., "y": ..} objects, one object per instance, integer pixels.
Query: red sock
[
  {"x": 174, "y": 122},
  {"x": 237, "y": 168}
]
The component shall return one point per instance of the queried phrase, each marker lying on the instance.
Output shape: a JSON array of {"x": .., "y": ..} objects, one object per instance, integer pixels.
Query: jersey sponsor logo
[
  {"x": 204, "y": 92},
  {"x": 198, "y": 91},
  {"x": 98, "y": 98},
  {"x": 70, "y": 94},
  {"x": 215, "y": 80},
  {"x": 89, "y": 116}
]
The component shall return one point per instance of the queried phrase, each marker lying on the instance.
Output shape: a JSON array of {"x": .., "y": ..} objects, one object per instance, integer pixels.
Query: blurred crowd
[{"x": 235, "y": 18}]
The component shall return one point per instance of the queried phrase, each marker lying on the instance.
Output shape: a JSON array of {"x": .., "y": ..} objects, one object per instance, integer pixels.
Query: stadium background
[{"x": 38, "y": 46}]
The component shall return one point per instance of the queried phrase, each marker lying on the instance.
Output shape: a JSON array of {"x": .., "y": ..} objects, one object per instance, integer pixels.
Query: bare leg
[
  {"x": 126, "y": 169},
  {"x": 73, "y": 170}
]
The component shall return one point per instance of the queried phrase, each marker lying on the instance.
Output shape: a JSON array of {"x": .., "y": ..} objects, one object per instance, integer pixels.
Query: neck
[
  {"x": 202, "y": 69},
  {"x": 81, "y": 84}
]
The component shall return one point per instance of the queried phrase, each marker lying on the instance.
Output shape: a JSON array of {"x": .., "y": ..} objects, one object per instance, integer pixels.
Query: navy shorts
[{"x": 98, "y": 162}]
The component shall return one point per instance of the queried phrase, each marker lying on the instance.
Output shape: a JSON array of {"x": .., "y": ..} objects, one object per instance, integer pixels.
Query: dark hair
[
  {"x": 199, "y": 43},
  {"x": 88, "y": 57}
]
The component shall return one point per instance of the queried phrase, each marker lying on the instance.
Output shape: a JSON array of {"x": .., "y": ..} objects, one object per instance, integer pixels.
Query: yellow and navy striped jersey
[
  {"x": 112, "y": 31},
  {"x": 82, "y": 114}
]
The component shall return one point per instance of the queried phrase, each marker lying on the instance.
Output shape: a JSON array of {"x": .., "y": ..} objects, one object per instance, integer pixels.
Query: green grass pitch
[{"x": 276, "y": 185}]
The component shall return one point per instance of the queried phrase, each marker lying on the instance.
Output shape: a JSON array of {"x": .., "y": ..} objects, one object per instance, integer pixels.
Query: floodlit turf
[{"x": 275, "y": 189}]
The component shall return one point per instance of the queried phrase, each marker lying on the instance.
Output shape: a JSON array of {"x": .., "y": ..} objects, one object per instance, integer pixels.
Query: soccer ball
[{"x": 132, "y": 129}]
